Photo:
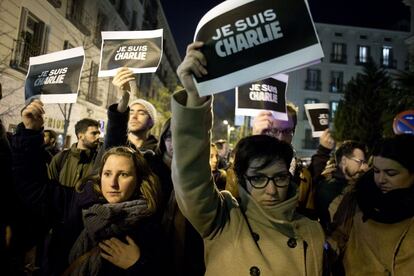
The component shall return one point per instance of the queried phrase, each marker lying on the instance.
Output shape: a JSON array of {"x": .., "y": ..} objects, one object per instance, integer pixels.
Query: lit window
[
  {"x": 333, "y": 107},
  {"x": 387, "y": 56},
  {"x": 363, "y": 54}
]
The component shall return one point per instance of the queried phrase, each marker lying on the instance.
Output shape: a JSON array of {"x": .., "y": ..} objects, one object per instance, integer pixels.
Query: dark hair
[
  {"x": 347, "y": 148},
  {"x": 399, "y": 148},
  {"x": 52, "y": 133},
  {"x": 147, "y": 182},
  {"x": 82, "y": 125},
  {"x": 264, "y": 147},
  {"x": 292, "y": 111}
]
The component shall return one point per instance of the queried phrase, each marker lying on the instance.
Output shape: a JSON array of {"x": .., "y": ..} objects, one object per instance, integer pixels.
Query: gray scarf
[{"x": 101, "y": 222}]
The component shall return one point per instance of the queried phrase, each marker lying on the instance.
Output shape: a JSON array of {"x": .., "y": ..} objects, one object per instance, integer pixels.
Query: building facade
[
  {"x": 346, "y": 49},
  {"x": 36, "y": 27}
]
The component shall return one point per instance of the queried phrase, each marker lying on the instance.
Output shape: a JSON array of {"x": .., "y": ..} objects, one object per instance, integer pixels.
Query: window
[
  {"x": 338, "y": 54},
  {"x": 362, "y": 37},
  {"x": 338, "y": 34},
  {"x": 363, "y": 54},
  {"x": 333, "y": 106},
  {"x": 67, "y": 45},
  {"x": 78, "y": 17},
  {"x": 309, "y": 142},
  {"x": 337, "y": 80},
  {"x": 387, "y": 57},
  {"x": 313, "y": 80},
  {"x": 31, "y": 41},
  {"x": 308, "y": 101},
  {"x": 92, "y": 95},
  {"x": 55, "y": 3}
]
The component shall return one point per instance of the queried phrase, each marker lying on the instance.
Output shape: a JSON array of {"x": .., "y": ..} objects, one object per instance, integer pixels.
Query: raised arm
[
  {"x": 196, "y": 194},
  {"x": 118, "y": 113}
]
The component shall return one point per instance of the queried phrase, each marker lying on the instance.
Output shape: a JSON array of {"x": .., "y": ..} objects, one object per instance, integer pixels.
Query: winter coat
[
  {"x": 71, "y": 165},
  {"x": 59, "y": 206},
  {"x": 381, "y": 230},
  {"x": 239, "y": 239}
]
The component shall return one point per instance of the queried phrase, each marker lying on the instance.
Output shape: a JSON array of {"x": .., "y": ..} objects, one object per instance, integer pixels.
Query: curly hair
[{"x": 148, "y": 185}]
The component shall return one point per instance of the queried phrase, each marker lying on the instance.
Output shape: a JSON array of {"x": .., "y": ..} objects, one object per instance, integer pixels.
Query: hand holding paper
[
  {"x": 326, "y": 140},
  {"x": 193, "y": 63},
  {"x": 122, "y": 78},
  {"x": 32, "y": 115},
  {"x": 262, "y": 122}
]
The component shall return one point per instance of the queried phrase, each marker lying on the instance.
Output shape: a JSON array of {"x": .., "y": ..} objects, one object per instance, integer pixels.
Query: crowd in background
[{"x": 179, "y": 204}]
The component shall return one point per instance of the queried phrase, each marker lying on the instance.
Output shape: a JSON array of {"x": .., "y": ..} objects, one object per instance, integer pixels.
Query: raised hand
[
  {"x": 123, "y": 255},
  {"x": 326, "y": 140},
  {"x": 32, "y": 115},
  {"x": 122, "y": 78},
  {"x": 193, "y": 64},
  {"x": 263, "y": 121}
]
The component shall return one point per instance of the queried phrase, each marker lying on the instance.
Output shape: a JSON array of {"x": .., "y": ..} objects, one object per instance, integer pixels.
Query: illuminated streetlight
[{"x": 229, "y": 129}]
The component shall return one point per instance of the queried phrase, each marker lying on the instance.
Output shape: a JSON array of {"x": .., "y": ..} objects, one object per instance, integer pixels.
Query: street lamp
[{"x": 229, "y": 130}]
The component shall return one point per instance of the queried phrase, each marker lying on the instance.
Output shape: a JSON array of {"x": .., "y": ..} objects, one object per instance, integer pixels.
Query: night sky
[{"x": 184, "y": 15}]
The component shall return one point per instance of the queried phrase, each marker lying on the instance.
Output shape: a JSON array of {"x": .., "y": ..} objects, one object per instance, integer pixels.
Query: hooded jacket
[{"x": 239, "y": 239}]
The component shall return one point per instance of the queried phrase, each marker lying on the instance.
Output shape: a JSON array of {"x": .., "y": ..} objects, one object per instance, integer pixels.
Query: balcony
[
  {"x": 390, "y": 64},
  {"x": 335, "y": 58},
  {"x": 22, "y": 51},
  {"x": 313, "y": 85}
]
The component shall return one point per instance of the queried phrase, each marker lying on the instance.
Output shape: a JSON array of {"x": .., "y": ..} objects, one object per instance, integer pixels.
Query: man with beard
[
  {"x": 130, "y": 125},
  {"x": 71, "y": 165},
  {"x": 351, "y": 163}
]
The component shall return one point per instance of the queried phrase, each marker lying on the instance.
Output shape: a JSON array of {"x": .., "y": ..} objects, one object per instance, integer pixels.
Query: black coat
[{"x": 59, "y": 208}]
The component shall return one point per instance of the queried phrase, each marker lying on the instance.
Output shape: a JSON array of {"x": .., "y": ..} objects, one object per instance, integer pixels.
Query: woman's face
[
  {"x": 390, "y": 175},
  {"x": 214, "y": 158},
  {"x": 118, "y": 179},
  {"x": 275, "y": 191}
]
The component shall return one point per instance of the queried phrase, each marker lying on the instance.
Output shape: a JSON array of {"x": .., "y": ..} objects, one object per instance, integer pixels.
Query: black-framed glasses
[
  {"x": 277, "y": 132},
  {"x": 280, "y": 180},
  {"x": 359, "y": 161}
]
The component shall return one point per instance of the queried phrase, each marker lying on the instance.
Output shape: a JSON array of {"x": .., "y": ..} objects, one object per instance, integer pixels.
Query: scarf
[
  {"x": 101, "y": 222},
  {"x": 392, "y": 207}
]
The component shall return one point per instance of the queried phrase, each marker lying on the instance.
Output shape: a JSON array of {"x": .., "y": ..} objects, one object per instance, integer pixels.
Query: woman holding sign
[
  {"x": 106, "y": 226},
  {"x": 259, "y": 235}
]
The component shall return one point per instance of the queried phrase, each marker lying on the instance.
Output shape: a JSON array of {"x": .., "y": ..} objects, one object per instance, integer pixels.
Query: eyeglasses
[
  {"x": 280, "y": 180},
  {"x": 359, "y": 161},
  {"x": 277, "y": 132}
]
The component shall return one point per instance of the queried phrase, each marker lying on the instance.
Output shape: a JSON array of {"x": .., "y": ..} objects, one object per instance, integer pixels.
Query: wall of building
[
  {"x": 351, "y": 37},
  {"x": 73, "y": 23}
]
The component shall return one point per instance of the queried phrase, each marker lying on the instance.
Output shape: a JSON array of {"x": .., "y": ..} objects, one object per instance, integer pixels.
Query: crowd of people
[{"x": 179, "y": 204}]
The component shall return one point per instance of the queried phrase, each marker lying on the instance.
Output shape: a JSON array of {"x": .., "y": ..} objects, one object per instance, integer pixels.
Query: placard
[
  {"x": 246, "y": 40},
  {"x": 267, "y": 94},
  {"x": 318, "y": 117},
  {"x": 55, "y": 77},
  {"x": 140, "y": 51}
]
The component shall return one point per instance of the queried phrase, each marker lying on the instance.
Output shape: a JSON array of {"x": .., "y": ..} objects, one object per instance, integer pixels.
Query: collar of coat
[{"x": 281, "y": 216}]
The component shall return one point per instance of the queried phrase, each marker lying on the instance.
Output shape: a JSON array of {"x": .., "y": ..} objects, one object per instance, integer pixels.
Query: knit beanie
[{"x": 152, "y": 112}]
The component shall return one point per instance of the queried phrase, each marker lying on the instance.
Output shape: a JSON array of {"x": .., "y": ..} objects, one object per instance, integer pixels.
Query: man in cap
[{"x": 130, "y": 125}]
